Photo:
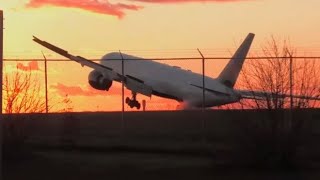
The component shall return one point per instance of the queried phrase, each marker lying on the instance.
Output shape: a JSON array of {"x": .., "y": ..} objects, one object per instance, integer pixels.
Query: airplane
[{"x": 147, "y": 77}]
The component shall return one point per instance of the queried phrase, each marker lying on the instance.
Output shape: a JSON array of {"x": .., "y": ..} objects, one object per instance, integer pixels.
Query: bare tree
[
  {"x": 276, "y": 136},
  {"x": 272, "y": 74},
  {"x": 68, "y": 104},
  {"x": 22, "y": 93}
]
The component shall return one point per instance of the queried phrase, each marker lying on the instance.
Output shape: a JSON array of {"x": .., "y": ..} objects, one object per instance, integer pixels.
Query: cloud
[
  {"x": 96, "y": 6},
  {"x": 187, "y": 1},
  {"x": 32, "y": 66},
  {"x": 86, "y": 91},
  {"x": 114, "y": 9}
]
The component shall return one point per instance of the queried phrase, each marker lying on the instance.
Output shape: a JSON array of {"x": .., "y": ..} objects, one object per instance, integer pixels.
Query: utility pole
[
  {"x": 1, "y": 56},
  {"x": 1, "y": 100}
]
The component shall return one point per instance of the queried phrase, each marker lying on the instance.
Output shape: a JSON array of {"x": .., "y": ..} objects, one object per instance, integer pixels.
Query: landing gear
[{"x": 133, "y": 102}]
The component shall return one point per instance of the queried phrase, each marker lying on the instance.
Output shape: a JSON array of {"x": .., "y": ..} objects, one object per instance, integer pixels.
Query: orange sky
[{"x": 159, "y": 28}]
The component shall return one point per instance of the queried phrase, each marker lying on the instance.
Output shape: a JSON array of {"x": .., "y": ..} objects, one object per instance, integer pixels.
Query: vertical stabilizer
[{"x": 230, "y": 73}]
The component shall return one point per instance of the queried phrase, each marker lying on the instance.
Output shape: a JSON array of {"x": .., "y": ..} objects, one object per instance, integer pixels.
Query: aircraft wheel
[
  {"x": 131, "y": 104},
  {"x": 138, "y": 105},
  {"x": 128, "y": 100}
]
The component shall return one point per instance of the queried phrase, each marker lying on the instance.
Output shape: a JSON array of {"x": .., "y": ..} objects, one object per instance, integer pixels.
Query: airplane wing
[
  {"x": 130, "y": 82},
  {"x": 262, "y": 95}
]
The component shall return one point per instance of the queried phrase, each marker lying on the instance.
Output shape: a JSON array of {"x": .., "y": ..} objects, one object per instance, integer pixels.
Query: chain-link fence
[{"x": 60, "y": 85}]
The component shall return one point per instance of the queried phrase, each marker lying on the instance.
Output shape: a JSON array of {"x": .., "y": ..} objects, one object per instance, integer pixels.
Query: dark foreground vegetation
[{"x": 156, "y": 145}]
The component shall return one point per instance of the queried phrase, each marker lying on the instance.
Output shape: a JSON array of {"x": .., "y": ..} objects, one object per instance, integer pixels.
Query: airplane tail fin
[{"x": 230, "y": 73}]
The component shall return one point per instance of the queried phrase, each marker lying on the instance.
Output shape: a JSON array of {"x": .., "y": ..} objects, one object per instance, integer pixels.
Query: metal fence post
[
  {"x": 203, "y": 81},
  {"x": 291, "y": 89},
  {"x": 203, "y": 98},
  {"x": 123, "y": 126},
  {"x": 46, "y": 81},
  {"x": 291, "y": 83}
]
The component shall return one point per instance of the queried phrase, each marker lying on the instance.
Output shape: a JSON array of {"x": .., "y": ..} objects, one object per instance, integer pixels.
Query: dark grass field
[
  {"x": 75, "y": 164},
  {"x": 151, "y": 145}
]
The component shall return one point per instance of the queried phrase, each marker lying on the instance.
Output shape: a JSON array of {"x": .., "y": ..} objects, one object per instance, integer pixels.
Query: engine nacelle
[{"x": 97, "y": 81}]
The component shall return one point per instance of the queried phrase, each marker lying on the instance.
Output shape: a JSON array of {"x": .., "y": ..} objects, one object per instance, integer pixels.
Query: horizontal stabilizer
[{"x": 261, "y": 95}]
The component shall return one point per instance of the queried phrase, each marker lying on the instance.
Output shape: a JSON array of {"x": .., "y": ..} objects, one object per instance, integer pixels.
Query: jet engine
[{"x": 98, "y": 81}]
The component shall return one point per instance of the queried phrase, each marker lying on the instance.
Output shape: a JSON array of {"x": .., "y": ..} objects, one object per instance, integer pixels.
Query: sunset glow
[{"x": 146, "y": 28}]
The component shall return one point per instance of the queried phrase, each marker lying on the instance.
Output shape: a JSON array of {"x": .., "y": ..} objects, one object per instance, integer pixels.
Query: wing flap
[{"x": 261, "y": 95}]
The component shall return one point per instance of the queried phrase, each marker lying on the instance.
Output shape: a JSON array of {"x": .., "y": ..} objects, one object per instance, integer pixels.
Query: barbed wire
[
  {"x": 164, "y": 59},
  {"x": 162, "y": 52}
]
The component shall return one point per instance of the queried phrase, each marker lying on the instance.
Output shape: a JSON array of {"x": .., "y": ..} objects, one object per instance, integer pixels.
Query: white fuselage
[{"x": 171, "y": 81}]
